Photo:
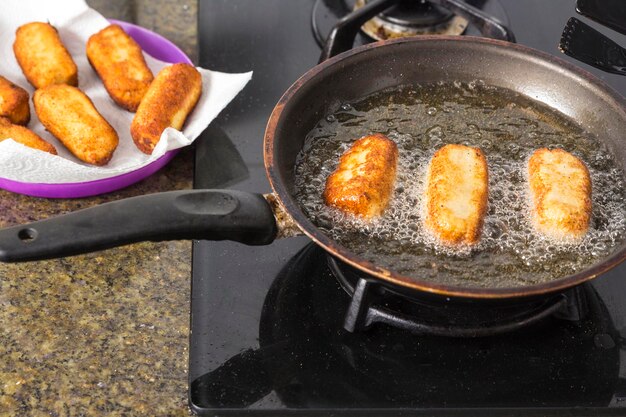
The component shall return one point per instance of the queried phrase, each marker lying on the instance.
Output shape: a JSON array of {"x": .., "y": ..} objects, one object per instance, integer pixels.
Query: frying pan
[{"x": 255, "y": 220}]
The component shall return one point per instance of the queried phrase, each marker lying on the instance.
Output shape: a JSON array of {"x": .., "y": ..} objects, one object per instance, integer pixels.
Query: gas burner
[
  {"x": 412, "y": 18},
  {"x": 406, "y": 18},
  {"x": 424, "y": 314}
]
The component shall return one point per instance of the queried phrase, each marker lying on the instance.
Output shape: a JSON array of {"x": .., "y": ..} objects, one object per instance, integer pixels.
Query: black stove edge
[
  {"x": 194, "y": 243},
  {"x": 451, "y": 412}
]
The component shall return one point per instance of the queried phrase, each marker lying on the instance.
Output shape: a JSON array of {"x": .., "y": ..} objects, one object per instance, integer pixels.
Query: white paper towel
[{"x": 76, "y": 22}]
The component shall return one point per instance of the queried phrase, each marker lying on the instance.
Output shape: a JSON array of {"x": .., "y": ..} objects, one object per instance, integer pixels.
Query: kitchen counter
[{"x": 104, "y": 333}]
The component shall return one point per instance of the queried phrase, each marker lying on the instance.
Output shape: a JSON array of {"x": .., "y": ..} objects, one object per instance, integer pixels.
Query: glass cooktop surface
[{"x": 267, "y": 335}]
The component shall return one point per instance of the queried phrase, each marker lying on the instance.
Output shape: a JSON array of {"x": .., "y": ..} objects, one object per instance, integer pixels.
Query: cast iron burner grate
[
  {"x": 385, "y": 19},
  {"x": 373, "y": 302}
]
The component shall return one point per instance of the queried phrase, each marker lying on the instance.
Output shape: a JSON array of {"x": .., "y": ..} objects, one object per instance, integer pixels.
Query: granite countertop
[{"x": 105, "y": 333}]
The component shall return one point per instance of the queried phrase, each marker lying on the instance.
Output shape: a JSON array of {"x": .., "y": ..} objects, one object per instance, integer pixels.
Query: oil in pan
[{"x": 507, "y": 127}]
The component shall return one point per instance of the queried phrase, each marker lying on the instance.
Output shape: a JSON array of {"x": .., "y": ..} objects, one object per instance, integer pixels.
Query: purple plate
[{"x": 156, "y": 46}]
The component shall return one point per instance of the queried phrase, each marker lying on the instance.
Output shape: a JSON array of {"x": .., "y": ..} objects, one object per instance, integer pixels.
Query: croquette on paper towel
[{"x": 76, "y": 22}]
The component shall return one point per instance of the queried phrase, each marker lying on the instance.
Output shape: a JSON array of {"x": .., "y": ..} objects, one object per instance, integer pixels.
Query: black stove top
[{"x": 268, "y": 332}]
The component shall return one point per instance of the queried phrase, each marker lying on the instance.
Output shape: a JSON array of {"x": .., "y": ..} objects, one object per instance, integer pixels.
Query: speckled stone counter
[{"x": 104, "y": 333}]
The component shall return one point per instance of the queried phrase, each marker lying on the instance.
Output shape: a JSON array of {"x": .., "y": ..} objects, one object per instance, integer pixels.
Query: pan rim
[{"x": 371, "y": 269}]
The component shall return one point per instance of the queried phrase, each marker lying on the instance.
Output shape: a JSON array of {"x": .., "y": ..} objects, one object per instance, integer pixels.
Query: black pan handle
[
  {"x": 610, "y": 13},
  {"x": 190, "y": 214},
  {"x": 586, "y": 44}
]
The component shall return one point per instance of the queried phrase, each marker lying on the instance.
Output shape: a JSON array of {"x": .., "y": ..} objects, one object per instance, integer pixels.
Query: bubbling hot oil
[{"x": 507, "y": 127}]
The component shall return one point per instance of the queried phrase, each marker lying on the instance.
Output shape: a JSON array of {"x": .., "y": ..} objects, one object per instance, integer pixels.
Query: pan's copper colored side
[
  {"x": 273, "y": 134},
  {"x": 286, "y": 225}
]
